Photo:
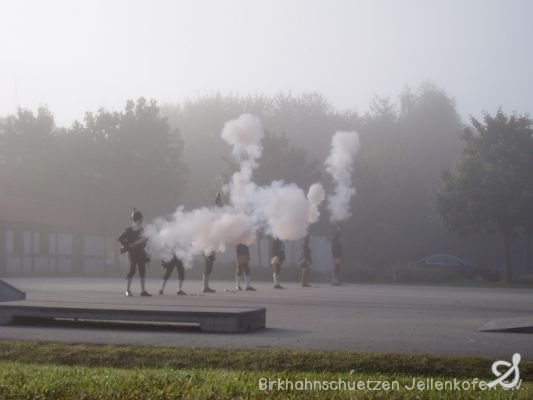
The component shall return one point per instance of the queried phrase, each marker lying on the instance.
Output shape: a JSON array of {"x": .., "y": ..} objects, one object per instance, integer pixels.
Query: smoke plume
[
  {"x": 339, "y": 164},
  {"x": 244, "y": 135},
  {"x": 281, "y": 210},
  {"x": 315, "y": 196},
  {"x": 201, "y": 231}
]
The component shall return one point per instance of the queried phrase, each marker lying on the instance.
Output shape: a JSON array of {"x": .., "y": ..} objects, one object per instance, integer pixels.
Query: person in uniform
[
  {"x": 209, "y": 262},
  {"x": 336, "y": 252},
  {"x": 169, "y": 266},
  {"x": 243, "y": 268},
  {"x": 277, "y": 254},
  {"x": 133, "y": 242},
  {"x": 210, "y": 258},
  {"x": 306, "y": 261}
]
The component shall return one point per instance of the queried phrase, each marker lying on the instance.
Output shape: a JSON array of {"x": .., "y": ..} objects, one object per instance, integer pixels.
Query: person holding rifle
[
  {"x": 134, "y": 242},
  {"x": 277, "y": 254},
  {"x": 306, "y": 261},
  {"x": 336, "y": 253},
  {"x": 242, "y": 259},
  {"x": 168, "y": 266},
  {"x": 210, "y": 258}
]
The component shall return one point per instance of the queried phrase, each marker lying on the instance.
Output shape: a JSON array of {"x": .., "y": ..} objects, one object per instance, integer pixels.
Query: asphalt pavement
[{"x": 352, "y": 317}]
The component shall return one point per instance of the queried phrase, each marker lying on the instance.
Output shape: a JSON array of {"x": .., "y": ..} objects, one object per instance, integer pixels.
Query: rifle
[{"x": 130, "y": 246}]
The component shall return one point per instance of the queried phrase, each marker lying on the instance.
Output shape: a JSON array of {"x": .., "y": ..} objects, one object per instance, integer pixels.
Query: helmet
[{"x": 136, "y": 215}]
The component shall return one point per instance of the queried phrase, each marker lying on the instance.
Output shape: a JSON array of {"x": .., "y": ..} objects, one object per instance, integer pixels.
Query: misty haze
[{"x": 349, "y": 176}]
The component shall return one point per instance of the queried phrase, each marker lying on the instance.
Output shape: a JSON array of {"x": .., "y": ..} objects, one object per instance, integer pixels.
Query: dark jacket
[
  {"x": 278, "y": 249},
  {"x": 242, "y": 250},
  {"x": 134, "y": 243}
]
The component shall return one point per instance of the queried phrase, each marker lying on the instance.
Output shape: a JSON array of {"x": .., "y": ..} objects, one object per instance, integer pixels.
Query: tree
[
  {"x": 404, "y": 148},
  {"x": 489, "y": 189},
  {"x": 132, "y": 158},
  {"x": 96, "y": 170},
  {"x": 26, "y": 137},
  {"x": 282, "y": 160},
  {"x": 27, "y": 143}
]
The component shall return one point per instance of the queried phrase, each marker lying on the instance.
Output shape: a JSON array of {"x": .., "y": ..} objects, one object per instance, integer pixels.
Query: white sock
[
  {"x": 206, "y": 281},
  {"x": 163, "y": 284},
  {"x": 180, "y": 285},
  {"x": 276, "y": 279},
  {"x": 247, "y": 278}
]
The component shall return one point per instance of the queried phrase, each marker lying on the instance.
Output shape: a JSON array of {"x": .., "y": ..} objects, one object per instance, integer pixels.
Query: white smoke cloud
[
  {"x": 279, "y": 209},
  {"x": 339, "y": 164},
  {"x": 244, "y": 135},
  {"x": 316, "y": 195},
  {"x": 190, "y": 233},
  {"x": 282, "y": 209}
]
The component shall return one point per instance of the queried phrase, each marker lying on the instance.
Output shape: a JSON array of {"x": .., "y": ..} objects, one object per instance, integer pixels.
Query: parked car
[
  {"x": 459, "y": 265},
  {"x": 444, "y": 261}
]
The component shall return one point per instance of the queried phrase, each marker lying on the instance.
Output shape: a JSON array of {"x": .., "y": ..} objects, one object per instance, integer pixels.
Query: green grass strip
[
  {"x": 135, "y": 357},
  {"x": 29, "y": 381}
]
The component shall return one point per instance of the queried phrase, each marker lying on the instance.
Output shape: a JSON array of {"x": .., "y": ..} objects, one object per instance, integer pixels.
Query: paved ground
[{"x": 382, "y": 318}]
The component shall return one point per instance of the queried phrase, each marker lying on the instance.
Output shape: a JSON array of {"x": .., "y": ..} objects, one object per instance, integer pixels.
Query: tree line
[{"x": 156, "y": 157}]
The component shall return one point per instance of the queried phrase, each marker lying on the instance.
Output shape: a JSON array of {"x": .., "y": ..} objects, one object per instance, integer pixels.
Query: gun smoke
[
  {"x": 316, "y": 195},
  {"x": 339, "y": 164},
  {"x": 280, "y": 209}
]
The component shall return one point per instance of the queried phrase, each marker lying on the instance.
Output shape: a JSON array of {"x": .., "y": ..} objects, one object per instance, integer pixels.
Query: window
[{"x": 31, "y": 242}]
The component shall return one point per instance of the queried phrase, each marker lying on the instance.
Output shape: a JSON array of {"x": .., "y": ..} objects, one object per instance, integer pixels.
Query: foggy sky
[{"x": 77, "y": 56}]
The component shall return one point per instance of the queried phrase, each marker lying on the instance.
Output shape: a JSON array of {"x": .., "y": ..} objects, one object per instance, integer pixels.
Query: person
[
  {"x": 277, "y": 258},
  {"x": 133, "y": 242},
  {"x": 336, "y": 252},
  {"x": 209, "y": 262},
  {"x": 169, "y": 266},
  {"x": 210, "y": 257},
  {"x": 306, "y": 261},
  {"x": 218, "y": 199},
  {"x": 243, "y": 260}
]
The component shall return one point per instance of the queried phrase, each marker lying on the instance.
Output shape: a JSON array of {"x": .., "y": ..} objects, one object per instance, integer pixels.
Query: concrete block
[{"x": 10, "y": 293}]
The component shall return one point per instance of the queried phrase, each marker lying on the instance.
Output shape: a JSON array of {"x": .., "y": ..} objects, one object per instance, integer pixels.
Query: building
[{"x": 46, "y": 238}]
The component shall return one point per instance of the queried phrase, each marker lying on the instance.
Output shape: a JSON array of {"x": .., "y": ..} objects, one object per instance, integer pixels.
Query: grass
[
  {"x": 26, "y": 381},
  {"x": 33, "y": 370}
]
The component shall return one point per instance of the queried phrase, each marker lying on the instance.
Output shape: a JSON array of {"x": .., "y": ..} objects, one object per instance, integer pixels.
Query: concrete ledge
[
  {"x": 511, "y": 325},
  {"x": 10, "y": 293},
  {"x": 210, "y": 319}
]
